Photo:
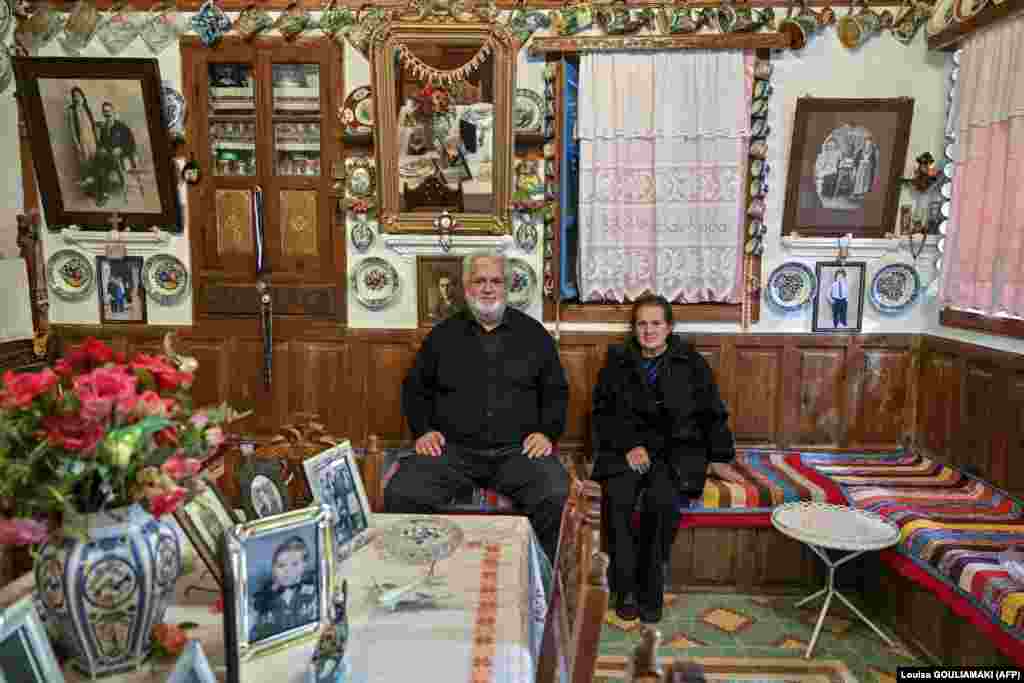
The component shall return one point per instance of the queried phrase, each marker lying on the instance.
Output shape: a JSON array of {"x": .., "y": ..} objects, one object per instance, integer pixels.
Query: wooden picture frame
[
  {"x": 262, "y": 490},
  {"x": 434, "y": 274},
  {"x": 192, "y": 666},
  {"x": 204, "y": 519},
  {"x": 334, "y": 480},
  {"x": 25, "y": 648},
  {"x": 844, "y": 165},
  {"x": 120, "y": 291},
  {"x": 827, "y": 316},
  {"x": 99, "y": 142}
]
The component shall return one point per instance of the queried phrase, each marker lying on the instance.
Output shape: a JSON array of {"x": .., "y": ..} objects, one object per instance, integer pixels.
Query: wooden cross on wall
[{"x": 116, "y": 220}]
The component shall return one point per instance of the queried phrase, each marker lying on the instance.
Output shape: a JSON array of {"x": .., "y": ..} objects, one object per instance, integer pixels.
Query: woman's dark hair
[{"x": 652, "y": 300}]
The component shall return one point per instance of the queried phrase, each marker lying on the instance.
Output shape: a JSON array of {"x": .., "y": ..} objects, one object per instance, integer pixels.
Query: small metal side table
[{"x": 823, "y": 526}]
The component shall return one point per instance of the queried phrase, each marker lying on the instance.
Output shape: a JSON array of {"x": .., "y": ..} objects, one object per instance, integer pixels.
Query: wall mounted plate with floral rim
[
  {"x": 527, "y": 111},
  {"x": 70, "y": 275},
  {"x": 357, "y": 112},
  {"x": 165, "y": 279},
  {"x": 375, "y": 283},
  {"x": 523, "y": 285},
  {"x": 791, "y": 286},
  {"x": 894, "y": 288}
]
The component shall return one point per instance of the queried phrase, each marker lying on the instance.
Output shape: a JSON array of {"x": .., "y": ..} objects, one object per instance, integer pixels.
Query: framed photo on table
[
  {"x": 98, "y": 141},
  {"x": 205, "y": 519},
  {"x": 25, "y": 652},
  {"x": 334, "y": 480},
  {"x": 845, "y": 163},
  {"x": 278, "y": 584},
  {"x": 839, "y": 304},
  {"x": 263, "y": 490}
]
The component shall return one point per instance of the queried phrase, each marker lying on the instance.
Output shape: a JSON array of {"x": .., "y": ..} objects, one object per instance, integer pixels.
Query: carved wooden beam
[
  {"x": 316, "y": 5},
  {"x": 950, "y": 38},
  {"x": 699, "y": 41}
]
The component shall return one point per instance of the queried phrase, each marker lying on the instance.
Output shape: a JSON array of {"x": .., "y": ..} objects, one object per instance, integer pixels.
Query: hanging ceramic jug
[
  {"x": 293, "y": 21},
  {"x": 253, "y": 21},
  {"x": 119, "y": 29},
  {"x": 337, "y": 20},
  {"x": 856, "y": 27},
  {"x": 799, "y": 27},
  {"x": 680, "y": 19},
  {"x": 37, "y": 27},
  {"x": 163, "y": 29},
  {"x": 572, "y": 19},
  {"x": 80, "y": 26},
  {"x": 210, "y": 23}
]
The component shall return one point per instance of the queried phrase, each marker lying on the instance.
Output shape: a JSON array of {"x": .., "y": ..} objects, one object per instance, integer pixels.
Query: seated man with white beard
[{"x": 486, "y": 400}]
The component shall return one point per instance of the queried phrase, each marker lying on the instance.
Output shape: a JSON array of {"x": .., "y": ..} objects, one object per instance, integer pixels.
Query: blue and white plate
[
  {"x": 791, "y": 286},
  {"x": 894, "y": 288}
]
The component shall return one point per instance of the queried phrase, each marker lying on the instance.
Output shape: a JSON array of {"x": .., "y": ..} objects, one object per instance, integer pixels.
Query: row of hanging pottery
[
  {"x": 40, "y": 24},
  {"x": 759, "y": 130}
]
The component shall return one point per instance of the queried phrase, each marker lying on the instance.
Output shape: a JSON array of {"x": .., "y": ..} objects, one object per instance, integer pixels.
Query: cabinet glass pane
[
  {"x": 296, "y": 119},
  {"x": 232, "y": 119}
]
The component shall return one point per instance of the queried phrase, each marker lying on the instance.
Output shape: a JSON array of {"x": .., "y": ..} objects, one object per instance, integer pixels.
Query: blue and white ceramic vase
[{"x": 103, "y": 595}]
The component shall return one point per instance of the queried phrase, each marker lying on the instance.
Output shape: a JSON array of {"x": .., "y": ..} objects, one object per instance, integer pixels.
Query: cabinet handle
[{"x": 258, "y": 230}]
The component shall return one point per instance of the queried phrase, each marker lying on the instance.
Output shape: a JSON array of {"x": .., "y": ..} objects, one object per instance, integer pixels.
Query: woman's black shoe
[
  {"x": 650, "y": 615},
  {"x": 627, "y": 609}
]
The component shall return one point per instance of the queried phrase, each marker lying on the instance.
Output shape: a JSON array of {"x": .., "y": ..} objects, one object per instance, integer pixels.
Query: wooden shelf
[
  {"x": 357, "y": 139},
  {"x": 699, "y": 41},
  {"x": 950, "y": 38}
]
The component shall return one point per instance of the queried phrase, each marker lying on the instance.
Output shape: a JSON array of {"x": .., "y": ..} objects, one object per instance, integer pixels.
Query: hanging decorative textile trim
[{"x": 424, "y": 71}]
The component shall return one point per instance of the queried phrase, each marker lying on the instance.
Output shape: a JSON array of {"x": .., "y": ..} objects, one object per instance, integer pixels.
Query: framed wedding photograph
[
  {"x": 263, "y": 489},
  {"x": 25, "y": 652},
  {"x": 204, "y": 519},
  {"x": 278, "y": 583},
  {"x": 334, "y": 480},
  {"x": 839, "y": 304},
  {"x": 122, "y": 298},
  {"x": 192, "y": 666},
  {"x": 98, "y": 141},
  {"x": 438, "y": 287},
  {"x": 845, "y": 163}
]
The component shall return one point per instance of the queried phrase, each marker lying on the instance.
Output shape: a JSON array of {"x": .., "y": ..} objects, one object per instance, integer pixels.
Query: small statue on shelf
[
  {"x": 329, "y": 665},
  {"x": 925, "y": 175}
]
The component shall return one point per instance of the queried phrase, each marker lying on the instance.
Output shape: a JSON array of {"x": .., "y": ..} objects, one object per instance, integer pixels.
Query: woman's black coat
[{"x": 689, "y": 428}]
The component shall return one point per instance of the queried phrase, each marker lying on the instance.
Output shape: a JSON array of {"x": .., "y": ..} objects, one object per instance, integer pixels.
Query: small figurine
[
  {"x": 926, "y": 173},
  {"x": 329, "y": 665}
]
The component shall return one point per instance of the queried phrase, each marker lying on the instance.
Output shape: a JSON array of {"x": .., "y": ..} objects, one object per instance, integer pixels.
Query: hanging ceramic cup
[
  {"x": 856, "y": 27},
  {"x": 210, "y": 23},
  {"x": 252, "y": 21},
  {"x": 758, "y": 149},
  {"x": 80, "y": 27},
  {"x": 800, "y": 26},
  {"x": 119, "y": 29},
  {"x": 756, "y": 208},
  {"x": 763, "y": 69},
  {"x": 684, "y": 19},
  {"x": 293, "y": 21},
  {"x": 760, "y": 128},
  {"x": 38, "y": 29},
  {"x": 336, "y": 20},
  {"x": 164, "y": 28}
]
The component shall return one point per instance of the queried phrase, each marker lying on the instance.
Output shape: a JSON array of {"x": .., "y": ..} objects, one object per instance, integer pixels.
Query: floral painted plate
[
  {"x": 375, "y": 283},
  {"x": 70, "y": 275},
  {"x": 165, "y": 279},
  {"x": 894, "y": 287},
  {"x": 524, "y": 283},
  {"x": 357, "y": 112},
  {"x": 791, "y": 286},
  {"x": 527, "y": 111}
]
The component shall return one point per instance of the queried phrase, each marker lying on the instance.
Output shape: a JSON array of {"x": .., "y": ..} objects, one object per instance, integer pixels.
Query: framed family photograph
[
  {"x": 263, "y": 489},
  {"x": 845, "y": 162},
  {"x": 439, "y": 288},
  {"x": 120, "y": 292},
  {"x": 278, "y": 584},
  {"x": 192, "y": 666},
  {"x": 98, "y": 141},
  {"x": 204, "y": 519},
  {"x": 25, "y": 652},
  {"x": 839, "y": 305},
  {"x": 334, "y": 480}
]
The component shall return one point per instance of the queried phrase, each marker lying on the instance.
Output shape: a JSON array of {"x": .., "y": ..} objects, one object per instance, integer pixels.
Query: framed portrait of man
[
  {"x": 845, "y": 161},
  {"x": 98, "y": 141},
  {"x": 439, "y": 288},
  {"x": 839, "y": 305},
  {"x": 122, "y": 298}
]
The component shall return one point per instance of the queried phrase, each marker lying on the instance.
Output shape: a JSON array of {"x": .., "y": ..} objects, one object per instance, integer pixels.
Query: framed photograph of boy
[
  {"x": 846, "y": 158},
  {"x": 334, "y": 480},
  {"x": 839, "y": 306},
  {"x": 192, "y": 666},
  {"x": 121, "y": 296},
  {"x": 25, "y": 652},
  {"x": 278, "y": 583},
  {"x": 204, "y": 519},
  {"x": 439, "y": 288},
  {"x": 263, "y": 491}
]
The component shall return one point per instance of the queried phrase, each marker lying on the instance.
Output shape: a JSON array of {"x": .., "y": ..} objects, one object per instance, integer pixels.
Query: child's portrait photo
[
  {"x": 121, "y": 296},
  {"x": 283, "y": 582},
  {"x": 840, "y": 303}
]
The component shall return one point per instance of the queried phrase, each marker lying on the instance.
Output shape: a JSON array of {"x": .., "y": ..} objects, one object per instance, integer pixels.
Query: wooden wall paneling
[
  {"x": 938, "y": 407},
  {"x": 881, "y": 388},
  {"x": 982, "y": 400},
  {"x": 713, "y": 556},
  {"x": 323, "y": 372},
  {"x": 1013, "y": 472},
  {"x": 387, "y": 364},
  {"x": 576, "y": 360},
  {"x": 758, "y": 394},
  {"x": 815, "y": 396},
  {"x": 210, "y": 386},
  {"x": 246, "y": 389}
]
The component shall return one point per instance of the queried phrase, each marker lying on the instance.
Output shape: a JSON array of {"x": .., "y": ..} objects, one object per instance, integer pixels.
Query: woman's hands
[{"x": 638, "y": 459}]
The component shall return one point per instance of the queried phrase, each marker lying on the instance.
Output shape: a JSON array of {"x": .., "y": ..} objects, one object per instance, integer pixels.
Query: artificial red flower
[
  {"x": 150, "y": 403},
  {"x": 167, "y": 436},
  {"x": 22, "y": 532},
  {"x": 171, "y": 637},
  {"x": 73, "y": 433},
  {"x": 63, "y": 368},
  {"x": 178, "y": 467},
  {"x": 164, "y": 503},
  {"x": 167, "y": 376},
  {"x": 90, "y": 353},
  {"x": 103, "y": 388},
  {"x": 21, "y": 388},
  {"x": 218, "y": 607}
]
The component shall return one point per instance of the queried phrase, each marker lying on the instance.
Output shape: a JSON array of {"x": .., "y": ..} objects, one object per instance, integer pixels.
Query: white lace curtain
[{"x": 663, "y": 139}]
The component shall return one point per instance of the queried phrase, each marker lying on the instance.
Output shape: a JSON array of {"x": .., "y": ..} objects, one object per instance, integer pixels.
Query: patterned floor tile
[
  {"x": 680, "y": 640},
  {"x": 726, "y": 620}
]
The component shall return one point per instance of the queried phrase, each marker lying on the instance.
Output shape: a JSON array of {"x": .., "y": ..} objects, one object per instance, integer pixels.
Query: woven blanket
[{"x": 952, "y": 526}]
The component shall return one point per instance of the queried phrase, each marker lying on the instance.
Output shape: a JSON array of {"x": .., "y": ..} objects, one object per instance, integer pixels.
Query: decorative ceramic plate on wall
[
  {"x": 375, "y": 283},
  {"x": 70, "y": 275},
  {"x": 165, "y": 279},
  {"x": 357, "y": 112},
  {"x": 174, "y": 108},
  {"x": 527, "y": 111},
  {"x": 894, "y": 287},
  {"x": 523, "y": 285},
  {"x": 791, "y": 286}
]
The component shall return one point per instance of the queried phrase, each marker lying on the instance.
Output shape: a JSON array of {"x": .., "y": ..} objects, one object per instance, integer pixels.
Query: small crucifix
[
  {"x": 115, "y": 221},
  {"x": 117, "y": 249}
]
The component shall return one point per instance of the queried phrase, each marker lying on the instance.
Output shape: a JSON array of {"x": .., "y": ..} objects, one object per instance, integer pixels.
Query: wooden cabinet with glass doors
[{"x": 262, "y": 115}]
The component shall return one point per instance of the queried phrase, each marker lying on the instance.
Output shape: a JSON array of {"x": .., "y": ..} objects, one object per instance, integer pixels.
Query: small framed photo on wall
[
  {"x": 334, "y": 480},
  {"x": 839, "y": 306},
  {"x": 438, "y": 287},
  {"x": 121, "y": 296}
]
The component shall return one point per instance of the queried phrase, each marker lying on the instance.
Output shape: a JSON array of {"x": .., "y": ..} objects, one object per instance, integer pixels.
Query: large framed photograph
[
  {"x": 439, "y": 288},
  {"x": 192, "y": 666},
  {"x": 263, "y": 489},
  {"x": 839, "y": 306},
  {"x": 334, "y": 480},
  {"x": 98, "y": 141},
  {"x": 120, "y": 292},
  {"x": 845, "y": 161},
  {"x": 204, "y": 519},
  {"x": 278, "y": 584},
  {"x": 25, "y": 652}
]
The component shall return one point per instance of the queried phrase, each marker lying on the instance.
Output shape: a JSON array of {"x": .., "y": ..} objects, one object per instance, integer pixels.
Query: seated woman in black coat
[{"x": 659, "y": 421}]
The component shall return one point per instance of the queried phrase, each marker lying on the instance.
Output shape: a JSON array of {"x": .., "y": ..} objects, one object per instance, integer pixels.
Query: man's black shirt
[{"x": 487, "y": 389}]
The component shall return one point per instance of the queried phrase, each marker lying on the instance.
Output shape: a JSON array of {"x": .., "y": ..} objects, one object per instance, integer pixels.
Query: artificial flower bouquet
[{"x": 98, "y": 431}]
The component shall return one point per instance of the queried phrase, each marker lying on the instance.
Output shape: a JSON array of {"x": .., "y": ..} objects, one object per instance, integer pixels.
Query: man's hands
[
  {"x": 431, "y": 443},
  {"x": 724, "y": 472},
  {"x": 638, "y": 459},
  {"x": 536, "y": 445}
]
